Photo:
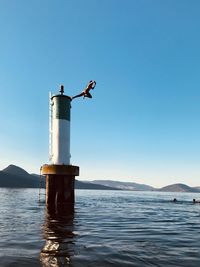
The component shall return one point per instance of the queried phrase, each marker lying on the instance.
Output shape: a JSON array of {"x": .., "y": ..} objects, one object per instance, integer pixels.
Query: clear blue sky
[{"x": 143, "y": 123}]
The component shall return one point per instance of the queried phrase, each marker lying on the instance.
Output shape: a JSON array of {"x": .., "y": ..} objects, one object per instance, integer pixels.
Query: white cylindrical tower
[
  {"x": 60, "y": 135},
  {"x": 59, "y": 174}
]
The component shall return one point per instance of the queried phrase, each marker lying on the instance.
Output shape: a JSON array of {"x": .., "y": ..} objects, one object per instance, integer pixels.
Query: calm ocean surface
[{"x": 109, "y": 228}]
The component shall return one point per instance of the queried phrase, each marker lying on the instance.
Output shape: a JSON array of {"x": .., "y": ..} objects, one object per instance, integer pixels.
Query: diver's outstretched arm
[{"x": 81, "y": 94}]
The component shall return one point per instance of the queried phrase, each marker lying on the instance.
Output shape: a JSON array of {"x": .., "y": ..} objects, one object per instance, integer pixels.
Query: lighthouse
[
  {"x": 60, "y": 116},
  {"x": 59, "y": 173}
]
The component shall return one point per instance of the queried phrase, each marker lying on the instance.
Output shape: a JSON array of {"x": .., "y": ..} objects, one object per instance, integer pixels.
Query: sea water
[{"x": 108, "y": 228}]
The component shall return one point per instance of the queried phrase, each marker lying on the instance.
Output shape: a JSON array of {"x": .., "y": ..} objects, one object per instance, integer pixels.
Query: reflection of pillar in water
[
  {"x": 60, "y": 175},
  {"x": 58, "y": 232}
]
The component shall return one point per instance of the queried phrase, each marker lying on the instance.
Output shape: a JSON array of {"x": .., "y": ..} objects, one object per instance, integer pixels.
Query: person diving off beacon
[{"x": 86, "y": 91}]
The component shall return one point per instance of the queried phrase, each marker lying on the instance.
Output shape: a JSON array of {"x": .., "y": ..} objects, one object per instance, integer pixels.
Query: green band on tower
[{"x": 62, "y": 107}]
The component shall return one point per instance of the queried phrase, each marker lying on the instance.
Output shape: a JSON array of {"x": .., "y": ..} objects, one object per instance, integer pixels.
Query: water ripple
[{"x": 109, "y": 228}]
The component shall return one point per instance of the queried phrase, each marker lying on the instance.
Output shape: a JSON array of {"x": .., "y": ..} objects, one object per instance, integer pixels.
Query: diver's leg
[{"x": 88, "y": 95}]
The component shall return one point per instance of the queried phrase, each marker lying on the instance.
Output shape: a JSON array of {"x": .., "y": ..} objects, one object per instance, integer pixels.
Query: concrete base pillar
[{"x": 60, "y": 186}]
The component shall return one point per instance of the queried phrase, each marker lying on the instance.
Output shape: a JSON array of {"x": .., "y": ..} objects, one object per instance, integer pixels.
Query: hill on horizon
[
  {"x": 15, "y": 170},
  {"x": 16, "y": 177},
  {"x": 125, "y": 185},
  {"x": 179, "y": 188},
  {"x": 130, "y": 186}
]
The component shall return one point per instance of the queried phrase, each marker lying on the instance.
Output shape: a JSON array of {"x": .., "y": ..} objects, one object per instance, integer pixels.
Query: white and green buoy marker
[{"x": 60, "y": 128}]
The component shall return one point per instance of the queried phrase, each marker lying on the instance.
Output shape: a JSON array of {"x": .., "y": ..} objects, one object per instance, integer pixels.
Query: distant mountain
[
  {"x": 12, "y": 169},
  {"x": 179, "y": 188},
  {"x": 197, "y": 187},
  {"x": 88, "y": 185},
  {"x": 16, "y": 177},
  {"x": 124, "y": 185}
]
